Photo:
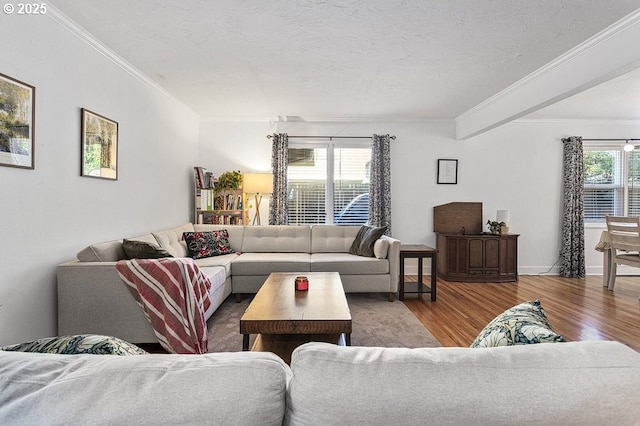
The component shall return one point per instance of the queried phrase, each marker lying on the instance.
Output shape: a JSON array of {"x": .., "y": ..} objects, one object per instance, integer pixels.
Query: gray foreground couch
[
  {"x": 549, "y": 383},
  {"x": 93, "y": 299}
]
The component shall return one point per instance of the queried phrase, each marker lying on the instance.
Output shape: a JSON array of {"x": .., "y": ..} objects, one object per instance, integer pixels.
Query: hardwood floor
[{"x": 579, "y": 309}]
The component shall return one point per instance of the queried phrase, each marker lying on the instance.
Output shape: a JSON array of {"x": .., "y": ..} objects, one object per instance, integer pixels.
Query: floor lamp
[{"x": 258, "y": 184}]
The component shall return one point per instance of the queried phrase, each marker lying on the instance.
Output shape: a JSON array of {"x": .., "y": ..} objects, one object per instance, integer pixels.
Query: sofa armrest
[
  {"x": 93, "y": 299},
  {"x": 394, "y": 262}
]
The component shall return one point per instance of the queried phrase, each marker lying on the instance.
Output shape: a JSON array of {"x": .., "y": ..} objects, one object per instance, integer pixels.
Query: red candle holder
[{"x": 302, "y": 284}]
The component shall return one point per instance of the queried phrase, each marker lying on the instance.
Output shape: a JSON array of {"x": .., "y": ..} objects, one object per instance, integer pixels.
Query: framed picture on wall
[
  {"x": 447, "y": 171},
  {"x": 99, "y": 146},
  {"x": 17, "y": 118}
]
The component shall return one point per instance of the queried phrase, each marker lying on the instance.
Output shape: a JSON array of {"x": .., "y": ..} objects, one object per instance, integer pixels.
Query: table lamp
[
  {"x": 258, "y": 184},
  {"x": 503, "y": 216}
]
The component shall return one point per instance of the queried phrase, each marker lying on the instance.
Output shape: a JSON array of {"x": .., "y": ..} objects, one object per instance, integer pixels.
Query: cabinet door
[
  {"x": 511, "y": 256},
  {"x": 492, "y": 255},
  {"x": 456, "y": 255},
  {"x": 484, "y": 255},
  {"x": 476, "y": 256}
]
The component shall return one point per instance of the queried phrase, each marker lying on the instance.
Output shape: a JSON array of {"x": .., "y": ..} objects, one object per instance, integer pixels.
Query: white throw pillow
[{"x": 380, "y": 248}]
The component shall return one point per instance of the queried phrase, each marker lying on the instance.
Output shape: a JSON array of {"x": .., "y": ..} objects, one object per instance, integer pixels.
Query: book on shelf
[
  {"x": 199, "y": 175},
  {"x": 206, "y": 199},
  {"x": 219, "y": 219},
  {"x": 209, "y": 180},
  {"x": 229, "y": 202},
  {"x": 204, "y": 179}
]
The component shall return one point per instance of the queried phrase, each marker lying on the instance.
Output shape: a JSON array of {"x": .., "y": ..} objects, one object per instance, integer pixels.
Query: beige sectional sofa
[
  {"x": 93, "y": 299},
  {"x": 578, "y": 383}
]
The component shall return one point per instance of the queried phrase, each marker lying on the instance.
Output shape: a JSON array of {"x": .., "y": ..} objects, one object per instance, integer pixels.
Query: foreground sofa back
[
  {"x": 548, "y": 383},
  {"x": 244, "y": 388}
]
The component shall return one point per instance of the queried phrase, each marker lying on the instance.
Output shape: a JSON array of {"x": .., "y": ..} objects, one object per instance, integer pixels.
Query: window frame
[
  {"x": 622, "y": 176},
  {"x": 330, "y": 147}
]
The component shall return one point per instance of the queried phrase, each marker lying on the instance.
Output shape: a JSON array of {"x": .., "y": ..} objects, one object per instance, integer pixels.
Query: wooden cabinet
[
  {"x": 477, "y": 258},
  {"x": 465, "y": 253}
]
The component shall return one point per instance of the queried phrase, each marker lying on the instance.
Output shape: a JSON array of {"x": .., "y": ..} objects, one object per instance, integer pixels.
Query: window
[
  {"x": 328, "y": 183},
  {"x": 611, "y": 181}
]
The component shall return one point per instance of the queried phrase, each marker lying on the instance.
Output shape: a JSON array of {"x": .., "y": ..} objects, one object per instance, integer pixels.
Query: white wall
[
  {"x": 48, "y": 214},
  {"x": 517, "y": 167}
]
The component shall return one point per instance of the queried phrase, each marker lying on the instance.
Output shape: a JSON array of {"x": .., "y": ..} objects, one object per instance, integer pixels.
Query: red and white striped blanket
[{"x": 174, "y": 295}]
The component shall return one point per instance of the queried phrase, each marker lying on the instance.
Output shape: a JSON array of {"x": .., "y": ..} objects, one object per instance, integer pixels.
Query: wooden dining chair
[{"x": 624, "y": 236}]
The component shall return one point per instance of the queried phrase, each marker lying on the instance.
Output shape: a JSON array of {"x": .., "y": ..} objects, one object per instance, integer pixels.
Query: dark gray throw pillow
[
  {"x": 143, "y": 250},
  {"x": 363, "y": 243}
]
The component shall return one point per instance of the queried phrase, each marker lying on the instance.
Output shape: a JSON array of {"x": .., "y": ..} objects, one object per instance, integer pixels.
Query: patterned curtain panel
[
  {"x": 572, "y": 251},
  {"x": 380, "y": 186},
  {"x": 278, "y": 214}
]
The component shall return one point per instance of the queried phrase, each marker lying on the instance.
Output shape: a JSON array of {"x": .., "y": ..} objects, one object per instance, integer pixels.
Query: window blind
[
  {"x": 328, "y": 184},
  {"x": 604, "y": 188}
]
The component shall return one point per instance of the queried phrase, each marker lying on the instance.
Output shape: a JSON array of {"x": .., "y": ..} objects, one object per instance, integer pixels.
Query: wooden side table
[{"x": 418, "y": 251}]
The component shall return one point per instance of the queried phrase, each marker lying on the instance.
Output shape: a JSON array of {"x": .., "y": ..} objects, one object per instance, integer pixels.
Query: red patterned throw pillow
[{"x": 207, "y": 244}]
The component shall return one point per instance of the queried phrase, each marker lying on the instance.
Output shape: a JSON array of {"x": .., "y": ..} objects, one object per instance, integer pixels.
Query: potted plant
[
  {"x": 228, "y": 181},
  {"x": 495, "y": 227}
]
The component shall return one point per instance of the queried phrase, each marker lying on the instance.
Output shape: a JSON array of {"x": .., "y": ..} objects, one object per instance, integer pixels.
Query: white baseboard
[{"x": 534, "y": 270}]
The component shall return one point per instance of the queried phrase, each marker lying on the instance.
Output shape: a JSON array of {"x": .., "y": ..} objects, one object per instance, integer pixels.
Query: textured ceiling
[{"x": 381, "y": 59}]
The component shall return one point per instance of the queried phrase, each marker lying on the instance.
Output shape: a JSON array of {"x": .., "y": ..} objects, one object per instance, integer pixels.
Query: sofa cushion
[
  {"x": 571, "y": 383},
  {"x": 172, "y": 240},
  {"x": 522, "y": 324},
  {"x": 348, "y": 264},
  {"x": 142, "y": 250},
  {"x": 365, "y": 240},
  {"x": 266, "y": 263},
  {"x": 207, "y": 243},
  {"x": 243, "y": 388},
  {"x": 108, "y": 251},
  {"x": 217, "y": 276},
  {"x": 78, "y": 344},
  {"x": 277, "y": 239},
  {"x": 332, "y": 239},
  {"x": 223, "y": 260}
]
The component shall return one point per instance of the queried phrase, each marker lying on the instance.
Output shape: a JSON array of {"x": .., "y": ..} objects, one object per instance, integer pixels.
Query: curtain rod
[
  {"x": 332, "y": 137},
  {"x": 627, "y": 139}
]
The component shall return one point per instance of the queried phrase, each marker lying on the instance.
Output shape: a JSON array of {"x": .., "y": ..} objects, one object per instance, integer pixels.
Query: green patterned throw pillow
[
  {"x": 78, "y": 344},
  {"x": 520, "y": 325}
]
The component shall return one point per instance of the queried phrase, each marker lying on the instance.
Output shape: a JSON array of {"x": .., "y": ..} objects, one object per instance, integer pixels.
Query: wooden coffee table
[{"x": 285, "y": 318}]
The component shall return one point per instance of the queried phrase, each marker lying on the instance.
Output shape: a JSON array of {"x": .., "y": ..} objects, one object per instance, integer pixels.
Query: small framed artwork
[
  {"x": 99, "y": 146},
  {"x": 17, "y": 118},
  {"x": 447, "y": 171}
]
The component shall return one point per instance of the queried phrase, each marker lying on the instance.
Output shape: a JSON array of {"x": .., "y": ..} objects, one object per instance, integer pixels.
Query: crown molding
[
  {"x": 299, "y": 119},
  {"x": 586, "y": 121},
  {"x": 75, "y": 29}
]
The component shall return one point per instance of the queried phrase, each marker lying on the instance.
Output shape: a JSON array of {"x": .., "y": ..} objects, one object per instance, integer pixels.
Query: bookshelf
[{"x": 226, "y": 207}]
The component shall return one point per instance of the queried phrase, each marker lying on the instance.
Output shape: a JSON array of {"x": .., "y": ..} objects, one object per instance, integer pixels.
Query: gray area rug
[{"x": 376, "y": 322}]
